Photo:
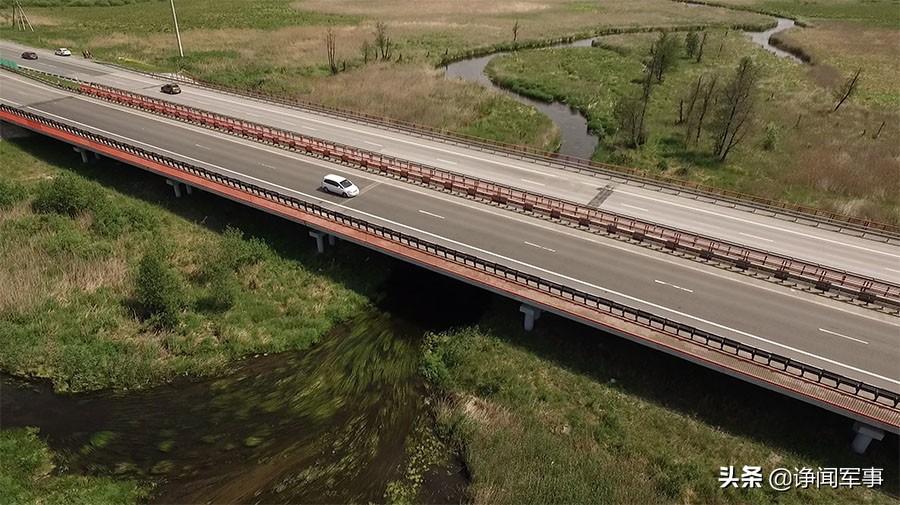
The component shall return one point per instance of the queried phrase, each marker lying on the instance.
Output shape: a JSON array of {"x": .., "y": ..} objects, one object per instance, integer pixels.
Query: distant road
[
  {"x": 848, "y": 340},
  {"x": 866, "y": 257}
]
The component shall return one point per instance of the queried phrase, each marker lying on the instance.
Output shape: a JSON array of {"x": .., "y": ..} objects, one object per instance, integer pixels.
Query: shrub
[
  {"x": 223, "y": 289},
  {"x": 772, "y": 136},
  {"x": 111, "y": 219},
  {"x": 159, "y": 288},
  {"x": 237, "y": 251},
  {"x": 65, "y": 194},
  {"x": 10, "y": 194}
]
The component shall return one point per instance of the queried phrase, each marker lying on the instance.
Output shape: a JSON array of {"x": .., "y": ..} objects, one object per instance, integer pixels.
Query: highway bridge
[{"x": 840, "y": 356}]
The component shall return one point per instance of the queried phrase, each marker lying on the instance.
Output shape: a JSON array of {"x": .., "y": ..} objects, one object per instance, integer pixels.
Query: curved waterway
[
  {"x": 326, "y": 425},
  {"x": 575, "y": 138}
]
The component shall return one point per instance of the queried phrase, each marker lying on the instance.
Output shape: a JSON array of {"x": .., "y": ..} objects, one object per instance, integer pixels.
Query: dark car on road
[
  {"x": 29, "y": 55},
  {"x": 170, "y": 89}
]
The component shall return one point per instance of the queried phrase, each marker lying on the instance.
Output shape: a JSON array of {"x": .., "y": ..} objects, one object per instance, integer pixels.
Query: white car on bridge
[
  {"x": 62, "y": 51},
  {"x": 339, "y": 185}
]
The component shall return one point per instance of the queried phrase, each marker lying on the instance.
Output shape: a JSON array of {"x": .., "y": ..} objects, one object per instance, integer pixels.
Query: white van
[{"x": 339, "y": 185}]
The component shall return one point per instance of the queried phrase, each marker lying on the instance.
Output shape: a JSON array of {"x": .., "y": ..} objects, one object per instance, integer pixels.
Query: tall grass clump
[
  {"x": 230, "y": 254},
  {"x": 28, "y": 475},
  {"x": 10, "y": 194},
  {"x": 159, "y": 289},
  {"x": 65, "y": 194}
]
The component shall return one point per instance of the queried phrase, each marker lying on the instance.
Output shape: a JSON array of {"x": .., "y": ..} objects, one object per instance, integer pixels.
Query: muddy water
[
  {"x": 328, "y": 425},
  {"x": 575, "y": 139}
]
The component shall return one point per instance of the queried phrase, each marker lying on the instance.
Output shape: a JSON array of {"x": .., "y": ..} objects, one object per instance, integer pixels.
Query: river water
[
  {"x": 327, "y": 425},
  {"x": 575, "y": 138}
]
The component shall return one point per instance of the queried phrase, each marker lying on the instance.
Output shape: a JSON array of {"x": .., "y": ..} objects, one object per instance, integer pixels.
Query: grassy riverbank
[
  {"x": 243, "y": 282},
  {"x": 277, "y": 46},
  {"x": 28, "y": 475},
  {"x": 565, "y": 414},
  {"x": 797, "y": 150}
]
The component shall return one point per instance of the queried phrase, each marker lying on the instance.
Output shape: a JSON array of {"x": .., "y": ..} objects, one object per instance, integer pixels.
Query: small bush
[
  {"x": 10, "y": 194},
  {"x": 223, "y": 289},
  {"x": 65, "y": 194},
  {"x": 237, "y": 251},
  {"x": 111, "y": 219},
  {"x": 772, "y": 136},
  {"x": 159, "y": 288}
]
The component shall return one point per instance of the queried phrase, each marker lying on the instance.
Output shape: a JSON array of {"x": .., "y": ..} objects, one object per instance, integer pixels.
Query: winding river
[{"x": 575, "y": 138}]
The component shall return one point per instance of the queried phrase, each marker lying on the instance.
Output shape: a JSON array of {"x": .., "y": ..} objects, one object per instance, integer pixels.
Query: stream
[
  {"x": 575, "y": 138},
  {"x": 325, "y": 425}
]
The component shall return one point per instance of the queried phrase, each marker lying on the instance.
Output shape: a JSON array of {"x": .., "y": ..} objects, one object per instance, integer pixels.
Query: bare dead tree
[
  {"x": 691, "y": 43},
  {"x": 330, "y": 44},
  {"x": 700, "y": 47},
  {"x": 631, "y": 110},
  {"x": 515, "y": 30},
  {"x": 708, "y": 99},
  {"x": 663, "y": 54},
  {"x": 383, "y": 43},
  {"x": 736, "y": 109},
  {"x": 847, "y": 89},
  {"x": 693, "y": 94},
  {"x": 875, "y": 137},
  {"x": 364, "y": 48}
]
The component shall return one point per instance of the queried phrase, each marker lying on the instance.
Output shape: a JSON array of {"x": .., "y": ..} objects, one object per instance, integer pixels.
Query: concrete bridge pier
[
  {"x": 864, "y": 436},
  {"x": 176, "y": 187},
  {"x": 86, "y": 156},
  {"x": 532, "y": 314},
  {"x": 320, "y": 237}
]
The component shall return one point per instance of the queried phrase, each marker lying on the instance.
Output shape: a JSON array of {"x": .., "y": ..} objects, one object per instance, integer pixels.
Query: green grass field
[
  {"x": 814, "y": 163},
  {"x": 277, "y": 46},
  {"x": 29, "y": 475},
  {"x": 68, "y": 309},
  {"x": 565, "y": 414}
]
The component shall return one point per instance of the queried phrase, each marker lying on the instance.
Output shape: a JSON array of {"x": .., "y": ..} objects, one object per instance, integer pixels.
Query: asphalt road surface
[
  {"x": 849, "y": 340},
  {"x": 858, "y": 255}
]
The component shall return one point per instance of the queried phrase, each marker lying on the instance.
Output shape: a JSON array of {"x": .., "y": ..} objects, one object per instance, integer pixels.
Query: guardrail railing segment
[
  {"x": 778, "y": 266},
  {"x": 796, "y": 212},
  {"x": 864, "y": 391}
]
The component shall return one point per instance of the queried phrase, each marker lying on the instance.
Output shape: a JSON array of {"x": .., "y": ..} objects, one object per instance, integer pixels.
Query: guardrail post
[
  {"x": 864, "y": 435},
  {"x": 532, "y": 314}
]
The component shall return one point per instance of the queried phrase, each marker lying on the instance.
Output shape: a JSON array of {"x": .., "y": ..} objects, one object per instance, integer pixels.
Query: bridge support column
[
  {"x": 11, "y": 131},
  {"x": 864, "y": 435},
  {"x": 532, "y": 314},
  {"x": 86, "y": 156},
  {"x": 176, "y": 187},
  {"x": 320, "y": 239},
  {"x": 332, "y": 239}
]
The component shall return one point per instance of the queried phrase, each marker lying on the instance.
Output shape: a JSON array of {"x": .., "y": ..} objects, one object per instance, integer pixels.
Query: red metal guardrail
[
  {"x": 721, "y": 196},
  {"x": 853, "y": 397},
  {"x": 779, "y": 266}
]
